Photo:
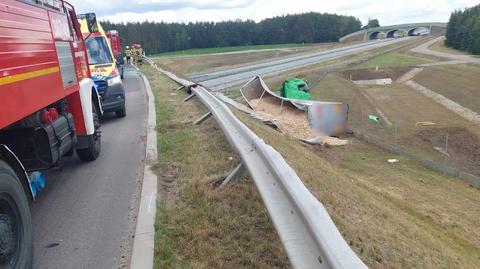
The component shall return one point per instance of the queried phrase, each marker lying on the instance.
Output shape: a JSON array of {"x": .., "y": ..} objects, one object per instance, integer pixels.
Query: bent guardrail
[{"x": 306, "y": 230}]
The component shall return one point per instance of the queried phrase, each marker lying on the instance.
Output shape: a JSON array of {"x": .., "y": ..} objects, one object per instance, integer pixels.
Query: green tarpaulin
[
  {"x": 295, "y": 88},
  {"x": 374, "y": 118}
]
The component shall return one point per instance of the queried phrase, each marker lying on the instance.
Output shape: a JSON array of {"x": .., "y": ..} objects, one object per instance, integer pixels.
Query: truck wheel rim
[{"x": 9, "y": 231}]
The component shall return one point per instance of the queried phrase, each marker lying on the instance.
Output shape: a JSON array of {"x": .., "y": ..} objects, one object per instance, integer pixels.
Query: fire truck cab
[
  {"x": 116, "y": 44},
  {"x": 49, "y": 108}
]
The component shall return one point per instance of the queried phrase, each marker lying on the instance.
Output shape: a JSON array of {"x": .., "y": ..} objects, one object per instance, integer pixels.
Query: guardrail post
[
  {"x": 202, "y": 118},
  {"x": 189, "y": 97},
  {"x": 234, "y": 175}
]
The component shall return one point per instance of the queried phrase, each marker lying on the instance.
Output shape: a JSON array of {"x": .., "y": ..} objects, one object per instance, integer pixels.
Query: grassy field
[
  {"x": 393, "y": 216},
  {"x": 459, "y": 83},
  {"x": 202, "y": 63},
  {"x": 197, "y": 225},
  {"x": 401, "y": 106},
  {"x": 206, "y": 63},
  {"x": 227, "y": 49},
  {"x": 393, "y": 59},
  {"x": 440, "y": 46}
]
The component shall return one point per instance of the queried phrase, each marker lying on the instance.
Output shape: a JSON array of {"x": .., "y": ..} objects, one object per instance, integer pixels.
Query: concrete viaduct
[{"x": 394, "y": 31}]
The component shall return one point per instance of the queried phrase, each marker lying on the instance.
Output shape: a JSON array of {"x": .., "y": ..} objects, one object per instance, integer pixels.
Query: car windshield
[{"x": 98, "y": 51}]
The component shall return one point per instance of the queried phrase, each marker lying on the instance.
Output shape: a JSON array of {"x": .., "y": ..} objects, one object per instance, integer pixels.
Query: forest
[
  {"x": 156, "y": 37},
  {"x": 463, "y": 30}
]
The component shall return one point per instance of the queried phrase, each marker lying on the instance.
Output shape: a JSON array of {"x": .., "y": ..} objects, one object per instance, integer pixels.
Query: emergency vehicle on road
[
  {"x": 116, "y": 44},
  {"x": 103, "y": 67},
  {"x": 49, "y": 108}
]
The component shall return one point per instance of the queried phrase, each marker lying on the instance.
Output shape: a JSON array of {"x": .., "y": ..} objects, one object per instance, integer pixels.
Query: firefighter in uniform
[
  {"x": 128, "y": 54},
  {"x": 137, "y": 54}
]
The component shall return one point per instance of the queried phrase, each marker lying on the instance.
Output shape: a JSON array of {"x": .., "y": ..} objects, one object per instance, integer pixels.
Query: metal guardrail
[{"x": 306, "y": 230}]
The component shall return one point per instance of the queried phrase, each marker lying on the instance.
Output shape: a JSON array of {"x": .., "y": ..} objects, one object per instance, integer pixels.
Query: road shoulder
[{"x": 143, "y": 245}]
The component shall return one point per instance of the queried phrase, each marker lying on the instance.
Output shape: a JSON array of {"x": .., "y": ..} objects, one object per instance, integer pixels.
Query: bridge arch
[
  {"x": 397, "y": 33},
  {"x": 376, "y": 35},
  {"x": 419, "y": 31}
]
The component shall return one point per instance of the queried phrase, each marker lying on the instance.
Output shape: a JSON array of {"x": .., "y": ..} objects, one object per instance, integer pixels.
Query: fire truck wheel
[
  {"x": 121, "y": 113},
  {"x": 94, "y": 142},
  {"x": 15, "y": 222}
]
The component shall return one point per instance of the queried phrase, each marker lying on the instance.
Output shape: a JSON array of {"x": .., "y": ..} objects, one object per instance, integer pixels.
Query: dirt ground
[
  {"x": 366, "y": 74},
  {"x": 463, "y": 146}
]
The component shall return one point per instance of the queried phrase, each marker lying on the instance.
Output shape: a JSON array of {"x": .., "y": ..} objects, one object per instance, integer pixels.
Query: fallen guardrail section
[{"x": 306, "y": 230}]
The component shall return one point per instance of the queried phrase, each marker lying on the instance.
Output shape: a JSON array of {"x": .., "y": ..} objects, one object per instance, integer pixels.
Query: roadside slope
[
  {"x": 394, "y": 216},
  {"x": 198, "y": 225}
]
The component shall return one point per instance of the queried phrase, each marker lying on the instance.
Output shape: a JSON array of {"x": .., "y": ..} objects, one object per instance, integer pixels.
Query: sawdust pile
[
  {"x": 292, "y": 121},
  {"x": 328, "y": 140},
  {"x": 289, "y": 119}
]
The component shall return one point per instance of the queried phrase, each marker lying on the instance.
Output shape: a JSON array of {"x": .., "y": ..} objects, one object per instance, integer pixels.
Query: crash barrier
[
  {"x": 438, "y": 166},
  {"x": 306, "y": 230}
]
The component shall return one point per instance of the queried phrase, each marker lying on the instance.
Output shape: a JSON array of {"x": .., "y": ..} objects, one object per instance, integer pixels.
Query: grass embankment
[
  {"x": 226, "y": 49},
  {"x": 459, "y": 83},
  {"x": 197, "y": 225},
  {"x": 393, "y": 59},
  {"x": 202, "y": 63},
  {"x": 401, "y": 105},
  {"x": 404, "y": 108},
  {"x": 440, "y": 46},
  {"x": 393, "y": 216},
  {"x": 211, "y": 62}
]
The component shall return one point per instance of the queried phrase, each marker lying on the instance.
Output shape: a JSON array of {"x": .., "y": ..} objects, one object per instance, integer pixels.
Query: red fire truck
[
  {"x": 116, "y": 44},
  {"x": 49, "y": 108}
]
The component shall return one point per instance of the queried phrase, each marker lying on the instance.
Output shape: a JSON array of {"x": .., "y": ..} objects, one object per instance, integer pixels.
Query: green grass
[
  {"x": 394, "y": 216},
  {"x": 393, "y": 59},
  {"x": 459, "y": 83},
  {"x": 440, "y": 46},
  {"x": 198, "y": 225},
  {"x": 225, "y": 49}
]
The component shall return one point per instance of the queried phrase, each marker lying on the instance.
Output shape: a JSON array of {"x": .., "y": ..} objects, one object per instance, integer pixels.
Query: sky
[{"x": 388, "y": 12}]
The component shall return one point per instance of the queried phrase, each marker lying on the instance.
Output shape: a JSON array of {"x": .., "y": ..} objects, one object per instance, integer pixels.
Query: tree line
[
  {"x": 156, "y": 37},
  {"x": 463, "y": 30}
]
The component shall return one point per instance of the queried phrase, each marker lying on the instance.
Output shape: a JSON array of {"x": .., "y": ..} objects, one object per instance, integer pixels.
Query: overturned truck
[{"x": 309, "y": 119}]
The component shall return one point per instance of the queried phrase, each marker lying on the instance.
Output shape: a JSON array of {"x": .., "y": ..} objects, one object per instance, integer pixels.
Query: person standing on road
[{"x": 128, "y": 54}]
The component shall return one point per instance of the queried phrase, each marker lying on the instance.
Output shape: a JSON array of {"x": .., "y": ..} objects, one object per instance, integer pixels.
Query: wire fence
[{"x": 450, "y": 150}]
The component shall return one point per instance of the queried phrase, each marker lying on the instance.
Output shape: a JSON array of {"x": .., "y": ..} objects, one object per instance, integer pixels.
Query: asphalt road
[
  {"x": 81, "y": 220},
  {"x": 452, "y": 58},
  {"x": 232, "y": 76}
]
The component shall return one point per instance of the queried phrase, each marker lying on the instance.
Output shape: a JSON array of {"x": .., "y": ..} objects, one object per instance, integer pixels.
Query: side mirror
[{"x": 91, "y": 19}]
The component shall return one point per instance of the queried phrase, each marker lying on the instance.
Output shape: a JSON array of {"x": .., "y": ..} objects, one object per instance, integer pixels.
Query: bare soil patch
[
  {"x": 365, "y": 74},
  {"x": 463, "y": 145},
  {"x": 168, "y": 184}
]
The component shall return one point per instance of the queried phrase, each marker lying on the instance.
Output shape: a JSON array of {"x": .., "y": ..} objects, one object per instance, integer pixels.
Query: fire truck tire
[
  {"x": 92, "y": 152},
  {"x": 16, "y": 250},
  {"x": 121, "y": 113}
]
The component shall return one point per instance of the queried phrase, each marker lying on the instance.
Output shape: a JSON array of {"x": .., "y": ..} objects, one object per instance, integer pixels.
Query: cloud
[
  {"x": 387, "y": 11},
  {"x": 110, "y": 7}
]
